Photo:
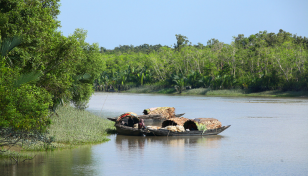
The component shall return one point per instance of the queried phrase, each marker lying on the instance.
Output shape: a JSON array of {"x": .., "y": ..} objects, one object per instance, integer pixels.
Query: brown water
[{"x": 268, "y": 136}]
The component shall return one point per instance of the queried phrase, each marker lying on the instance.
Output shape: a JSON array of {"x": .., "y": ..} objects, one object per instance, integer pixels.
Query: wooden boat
[
  {"x": 164, "y": 132},
  {"x": 189, "y": 127}
]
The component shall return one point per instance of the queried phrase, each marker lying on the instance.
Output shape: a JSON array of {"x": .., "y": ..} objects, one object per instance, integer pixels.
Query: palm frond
[
  {"x": 86, "y": 76},
  {"x": 83, "y": 77},
  {"x": 8, "y": 44},
  {"x": 28, "y": 77}
]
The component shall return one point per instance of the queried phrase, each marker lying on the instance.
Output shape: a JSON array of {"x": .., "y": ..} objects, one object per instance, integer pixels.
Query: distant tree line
[
  {"x": 145, "y": 48},
  {"x": 262, "y": 61}
]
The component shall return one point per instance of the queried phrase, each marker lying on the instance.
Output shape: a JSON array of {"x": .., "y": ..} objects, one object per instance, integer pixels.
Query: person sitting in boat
[
  {"x": 141, "y": 124},
  {"x": 130, "y": 122},
  {"x": 123, "y": 123}
]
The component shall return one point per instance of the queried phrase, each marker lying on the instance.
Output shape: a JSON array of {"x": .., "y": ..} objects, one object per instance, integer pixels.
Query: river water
[{"x": 268, "y": 136}]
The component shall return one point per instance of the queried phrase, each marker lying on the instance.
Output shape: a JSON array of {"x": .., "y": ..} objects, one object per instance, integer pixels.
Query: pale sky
[{"x": 136, "y": 22}]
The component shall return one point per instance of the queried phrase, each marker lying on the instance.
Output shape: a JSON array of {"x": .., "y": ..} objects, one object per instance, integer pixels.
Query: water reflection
[
  {"x": 53, "y": 163},
  {"x": 130, "y": 142},
  {"x": 139, "y": 142}
]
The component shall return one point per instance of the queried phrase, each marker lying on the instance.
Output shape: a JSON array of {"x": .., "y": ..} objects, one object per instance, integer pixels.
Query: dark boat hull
[
  {"x": 187, "y": 133},
  {"x": 129, "y": 131}
]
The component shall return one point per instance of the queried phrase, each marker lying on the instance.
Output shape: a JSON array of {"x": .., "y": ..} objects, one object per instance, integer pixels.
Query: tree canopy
[{"x": 58, "y": 69}]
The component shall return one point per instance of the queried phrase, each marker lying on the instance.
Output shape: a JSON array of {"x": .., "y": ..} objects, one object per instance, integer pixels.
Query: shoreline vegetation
[
  {"x": 261, "y": 62},
  {"x": 70, "y": 128},
  {"x": 223, "y": 92}
]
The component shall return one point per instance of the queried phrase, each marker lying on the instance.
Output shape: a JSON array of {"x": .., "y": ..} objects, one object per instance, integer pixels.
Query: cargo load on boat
[{"x": 166, "y": 112}]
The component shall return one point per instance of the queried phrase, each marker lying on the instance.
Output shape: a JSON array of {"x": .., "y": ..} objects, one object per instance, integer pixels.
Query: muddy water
[{"x": 268, "y": 136}]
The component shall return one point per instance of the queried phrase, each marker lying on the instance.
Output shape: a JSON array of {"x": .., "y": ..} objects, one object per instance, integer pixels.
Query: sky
[{"x": 136, "y": 22}]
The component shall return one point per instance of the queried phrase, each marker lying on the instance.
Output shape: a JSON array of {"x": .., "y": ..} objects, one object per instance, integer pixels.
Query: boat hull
[
  {"x": 161, "y": 132},
  {"x": 129, "y": 131}
]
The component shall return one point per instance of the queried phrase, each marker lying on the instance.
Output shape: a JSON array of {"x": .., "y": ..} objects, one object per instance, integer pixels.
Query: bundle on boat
[
  {"x": 174, "y": 124},
  {"x": 165, "y": 112},
  {"x": 154, "y": 127},
  {"x": 202, "y": 124}
]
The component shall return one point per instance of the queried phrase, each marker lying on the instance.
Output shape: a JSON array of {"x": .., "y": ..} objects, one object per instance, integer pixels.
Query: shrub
[{"x": 25, "y": 107}]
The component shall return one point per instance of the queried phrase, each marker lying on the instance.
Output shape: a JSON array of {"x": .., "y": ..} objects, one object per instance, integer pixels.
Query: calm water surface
[{"x": 268, "y": 136}]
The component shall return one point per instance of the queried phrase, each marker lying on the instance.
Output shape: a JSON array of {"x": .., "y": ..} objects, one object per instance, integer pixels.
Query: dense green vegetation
[
  {"x": 260, "y": 62},
  {"x": 40, "y": 68}
]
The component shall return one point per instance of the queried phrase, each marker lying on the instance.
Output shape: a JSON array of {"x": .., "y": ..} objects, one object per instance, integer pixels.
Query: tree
[
  {"x": 181, "y": 41},
  {"x": 89, "y": 67},
  {"x": 24, "y": 106}
]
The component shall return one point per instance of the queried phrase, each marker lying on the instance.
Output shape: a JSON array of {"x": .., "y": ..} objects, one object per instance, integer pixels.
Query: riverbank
[
  {"x": 222, "y": 93},
  {"x": 70, "y": 127},
  {"x": 74, "y": 127}
]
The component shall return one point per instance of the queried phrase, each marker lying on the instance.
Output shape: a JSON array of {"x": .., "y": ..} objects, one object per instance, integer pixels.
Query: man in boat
[{"x": 141, "y": 124}]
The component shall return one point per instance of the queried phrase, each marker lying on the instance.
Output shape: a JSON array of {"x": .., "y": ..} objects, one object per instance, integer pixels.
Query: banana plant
[
  {"x": 193, "y": 78},
  {"x": 7, "y": 45},
  {"x": 180, "y": 81},
  {"x": 206, "y": 81}
]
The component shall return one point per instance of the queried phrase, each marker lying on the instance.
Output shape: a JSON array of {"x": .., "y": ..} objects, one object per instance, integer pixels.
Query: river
[{"x": 268, "y": 136}]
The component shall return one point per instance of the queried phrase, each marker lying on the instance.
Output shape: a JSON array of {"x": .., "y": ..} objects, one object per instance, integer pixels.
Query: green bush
[{"x": 25, "y": 107}]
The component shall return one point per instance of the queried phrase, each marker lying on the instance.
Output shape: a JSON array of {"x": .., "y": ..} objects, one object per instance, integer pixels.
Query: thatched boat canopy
[
  {"x": 174, "y": 122},
  {"x": 125, "y": 116},
  {"x": 210, "y": 123},
  {"x": 166, "y": 112}
]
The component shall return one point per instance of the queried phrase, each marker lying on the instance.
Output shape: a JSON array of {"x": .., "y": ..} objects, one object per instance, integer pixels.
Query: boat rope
[{"x": 103, "y": 104}]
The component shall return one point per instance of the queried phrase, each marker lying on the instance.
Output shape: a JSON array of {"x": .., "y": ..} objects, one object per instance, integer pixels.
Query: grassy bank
[
  {"x": 69, "y": 128},
  {"x": 223, "y": 93},
  {"x": 74, "y": 127}
]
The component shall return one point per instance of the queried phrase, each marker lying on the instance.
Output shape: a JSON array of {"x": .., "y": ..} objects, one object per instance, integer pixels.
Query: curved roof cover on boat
[
  {"x": 127, "y": 115},
  {"x": 166, "y": 112},
  {"x": 210, "y": 123},
  {"x": 174, "y": 121}
]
